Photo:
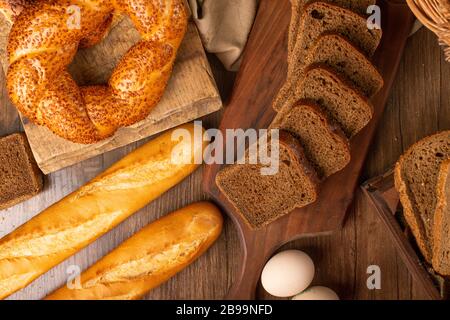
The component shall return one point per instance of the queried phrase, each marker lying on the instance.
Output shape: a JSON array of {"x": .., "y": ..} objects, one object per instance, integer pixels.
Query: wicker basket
[{"x": 435, "y": 15}]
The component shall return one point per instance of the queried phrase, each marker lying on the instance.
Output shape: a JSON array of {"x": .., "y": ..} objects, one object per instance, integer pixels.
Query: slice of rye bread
[
  {"x": 416, "y": 175},
  {"x": 319, "y": 18},
  {"x": 358, "y": 6},
  {"x": 337, "y": 96},
  {"x": 340, "y": 55},
  {"x": 441, "y": 228},
  {"x": 325, "y": 145},
  {"x": 261, "y": 199},
  {"x": 20, "y": 176}
]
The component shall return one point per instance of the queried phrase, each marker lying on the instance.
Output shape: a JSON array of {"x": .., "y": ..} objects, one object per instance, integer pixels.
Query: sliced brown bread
[
  {"x": 319, "y": 18},
  {"x": 340, "y": 55},
  {"x": 19, "y": 175},
  {"x": 416, "y": 177},
  {"x": 359, "y": 6},
  {"x": 441, "y": 229},
  {"x": 325, "y": 145},
  {"x": 261, "y": 199},
  {"x": 337, "y": 96}
]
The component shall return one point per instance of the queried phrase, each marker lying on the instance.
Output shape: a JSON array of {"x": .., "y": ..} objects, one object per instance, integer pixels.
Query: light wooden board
[{"x": 191, "y": 93}]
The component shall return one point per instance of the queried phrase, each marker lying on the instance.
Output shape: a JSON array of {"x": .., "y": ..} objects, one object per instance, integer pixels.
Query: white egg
[
  {"x": 317, "y": 293},
  {"x": 287, "y": 273}
]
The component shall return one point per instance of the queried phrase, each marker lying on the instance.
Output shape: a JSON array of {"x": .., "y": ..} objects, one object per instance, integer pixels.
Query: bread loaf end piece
[
  {"x": 20, "y": 176},
  {"x": 262, "y": 199},
  {"x": 441, "y": 229},
  {"x": 416, "y": 177},
  {"x": 150, "y": 257}
]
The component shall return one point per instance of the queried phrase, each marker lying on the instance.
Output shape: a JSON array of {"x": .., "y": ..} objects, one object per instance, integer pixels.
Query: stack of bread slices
[
  {"x": 422, "y": 178},
  {"x": 322, "y": 105}
]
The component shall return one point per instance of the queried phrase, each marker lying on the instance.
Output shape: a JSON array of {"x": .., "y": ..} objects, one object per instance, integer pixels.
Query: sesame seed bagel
[{"x": 44, "y": 40}]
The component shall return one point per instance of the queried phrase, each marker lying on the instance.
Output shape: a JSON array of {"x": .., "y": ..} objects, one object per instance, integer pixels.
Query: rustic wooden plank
[{"x": 190, "y": 94}]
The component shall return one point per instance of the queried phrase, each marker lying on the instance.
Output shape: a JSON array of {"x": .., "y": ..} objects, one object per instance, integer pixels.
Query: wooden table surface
[{"x": 419, "y": 105}]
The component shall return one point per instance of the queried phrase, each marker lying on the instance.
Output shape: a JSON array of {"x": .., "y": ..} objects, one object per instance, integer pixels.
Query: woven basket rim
[{"x": 435, "y": 15}]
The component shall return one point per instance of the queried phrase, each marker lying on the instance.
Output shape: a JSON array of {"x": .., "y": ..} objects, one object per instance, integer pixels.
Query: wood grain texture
[
  {"x": 191, "y": 93},
  {"x": 250, "y": 107},
  {"x": 341, "y": 258}
]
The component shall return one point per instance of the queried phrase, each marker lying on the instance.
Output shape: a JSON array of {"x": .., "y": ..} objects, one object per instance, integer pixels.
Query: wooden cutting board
[
  {"x": 191, "y": 93},
  {"x": 262, "y": 73}
]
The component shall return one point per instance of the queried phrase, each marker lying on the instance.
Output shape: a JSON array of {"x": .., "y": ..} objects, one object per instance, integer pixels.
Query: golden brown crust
[
  {"x": 80, "y": 218},
  {"x": 441, "y": 230},
  {"x": 44, "y": 40},
  {"x": 150, "y": 257}
]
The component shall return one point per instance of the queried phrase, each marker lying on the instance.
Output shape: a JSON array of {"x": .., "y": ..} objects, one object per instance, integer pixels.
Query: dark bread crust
[
  {"x": 341, "y": 111},
  {"x": 357, "y": 32},
  {"x": 441, "y": 228},
  {"x": 359, "y": 6},
  {"x": 374, "y": 84},
  {"x": 360, "y": 36},
  {"x": 421, "y": 223},
  {"x": 227, "y": 177},
  {"x": 333, "y": 130},
  {"x": 32, "y": 181},
  {"x": 365, "y": 76}
]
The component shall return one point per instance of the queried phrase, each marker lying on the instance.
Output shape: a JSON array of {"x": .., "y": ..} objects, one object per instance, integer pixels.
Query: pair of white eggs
[{"x": 289, "y": 273}]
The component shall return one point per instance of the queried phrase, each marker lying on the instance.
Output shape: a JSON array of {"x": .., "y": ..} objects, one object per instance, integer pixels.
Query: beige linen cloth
[{"x": 224, "y": 26}]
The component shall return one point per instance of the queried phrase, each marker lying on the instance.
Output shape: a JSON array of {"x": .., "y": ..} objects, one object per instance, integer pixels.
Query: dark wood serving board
[
  {"x": 262, "y": 73},
  {"x": 381, "y": 193}
]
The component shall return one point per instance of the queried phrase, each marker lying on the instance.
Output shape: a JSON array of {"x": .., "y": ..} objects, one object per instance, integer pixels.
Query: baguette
[
  {"x": 150, "y": 257},
  {"x": 83, "y": 216}
]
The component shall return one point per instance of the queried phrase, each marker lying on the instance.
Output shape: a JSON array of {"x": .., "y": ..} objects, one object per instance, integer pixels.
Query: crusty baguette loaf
[
  {"x": 441, "y": 228},
  {"x": 88, "y": 213},
  {"x": 150, "y": 257}
]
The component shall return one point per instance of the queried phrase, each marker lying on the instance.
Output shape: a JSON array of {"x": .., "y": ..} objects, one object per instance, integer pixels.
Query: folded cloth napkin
[{"x": 224, "y": 26}]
